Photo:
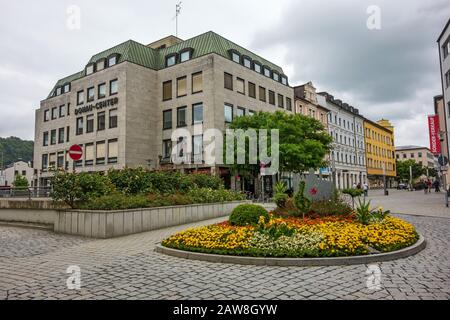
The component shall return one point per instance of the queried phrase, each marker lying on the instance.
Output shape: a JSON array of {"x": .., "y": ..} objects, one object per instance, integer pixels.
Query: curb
[{"x": 296, "y": 262}]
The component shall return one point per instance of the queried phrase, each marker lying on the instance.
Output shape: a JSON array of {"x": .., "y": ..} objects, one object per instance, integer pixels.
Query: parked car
[{"x": 402, "y": 186}]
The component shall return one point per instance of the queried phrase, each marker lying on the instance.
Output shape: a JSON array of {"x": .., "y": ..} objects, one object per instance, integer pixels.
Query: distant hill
[{"x": 14, "y": 148}]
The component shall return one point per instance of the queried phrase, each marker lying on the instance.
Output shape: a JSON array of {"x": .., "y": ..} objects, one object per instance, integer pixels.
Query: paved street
[{"x": 33, "y": 264}]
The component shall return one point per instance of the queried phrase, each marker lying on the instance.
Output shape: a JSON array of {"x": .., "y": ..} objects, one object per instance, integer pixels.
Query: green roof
[{"x": 207, "y": 43}]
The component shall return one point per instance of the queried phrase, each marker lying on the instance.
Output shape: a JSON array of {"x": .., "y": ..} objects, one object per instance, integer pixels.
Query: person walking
[
  {"x": 366, "y": 189},
  {"x": 437, "y": 186}
]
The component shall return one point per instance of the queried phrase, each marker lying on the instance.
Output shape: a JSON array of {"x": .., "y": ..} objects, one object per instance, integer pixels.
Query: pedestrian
[
  {"x": 437, "y": 186},
  {"x": 358, "y": 186},
  {"x": 429, "y": 185},
  {"x": 366, "y": 189}
]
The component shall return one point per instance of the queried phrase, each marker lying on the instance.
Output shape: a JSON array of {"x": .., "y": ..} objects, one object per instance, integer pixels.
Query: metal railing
[{"x": 28, "y": 192}]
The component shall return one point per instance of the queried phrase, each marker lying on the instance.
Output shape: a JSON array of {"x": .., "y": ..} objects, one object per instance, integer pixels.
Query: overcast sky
[{"x": 388, "y": 73}]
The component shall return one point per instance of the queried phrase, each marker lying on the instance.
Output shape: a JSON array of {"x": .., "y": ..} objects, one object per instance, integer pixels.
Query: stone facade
[
  {"x": 420, "y": 155},
  {"x": 22, "y": 168},
  {"x": 444, "y": 61}
]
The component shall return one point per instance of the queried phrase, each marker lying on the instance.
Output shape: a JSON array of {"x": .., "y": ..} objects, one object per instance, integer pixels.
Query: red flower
[{"x": 313, "y": 191}]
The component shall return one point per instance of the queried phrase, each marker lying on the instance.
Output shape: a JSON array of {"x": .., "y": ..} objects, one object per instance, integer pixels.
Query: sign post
[{"x": 75, "y": 153}]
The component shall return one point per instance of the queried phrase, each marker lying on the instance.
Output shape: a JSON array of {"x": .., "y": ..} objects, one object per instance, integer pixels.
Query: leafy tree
[
  {"x": 403, "y": 173},
  {"x": 303, "y": 142},
  {"x": 20, "y": 182},
  {"x": 12, "y": 149}
]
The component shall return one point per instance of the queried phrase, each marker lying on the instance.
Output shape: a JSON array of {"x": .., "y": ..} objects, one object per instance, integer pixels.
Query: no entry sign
[{"x": 75, "y": 152}]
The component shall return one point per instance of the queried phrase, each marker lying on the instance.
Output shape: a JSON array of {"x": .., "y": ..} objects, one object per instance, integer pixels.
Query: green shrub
[
  {"x": 20, "y": 182},
  {"x": 116, "y": 201},
  {"x": 280, "y": 198},
  {"x": 247, "y": 214},
  {"x": 206, "y": 195},
  {"x": 325, "y": 208},
  {"x": 301, "y": 202},
  {"x": 206, "y": 181}
]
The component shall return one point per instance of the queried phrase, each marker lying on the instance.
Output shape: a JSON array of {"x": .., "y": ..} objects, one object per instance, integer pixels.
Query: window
[
  {"x": 113, "y": 118},
  {"x": 113, "y": 87},
  {"x": 167, "y": 119},
  {"x": 90, "y": 69},
  {"x": 228, "y": 79},
  {"x": 420, "y": 154},
  {"x": 54, "y": 113},
  {"x": 167, "y": 149},
  {"x": 44, "y": 161},
  {"x": 62, "y": 111},
  {"x": 228, "y": 113},
  {"x": 197, "y": 113},
  {"x": 262, "y": 94},
  {"x": 171, "y": 60},
  {"x": 181, "y": 117},
  {"x": 67, "y": 134},
  {"x": 101, "y": 64},
  {"x": 90, "y": 94},
  {"x": 185, "y": 56},
  {"x": 251, "y": 90},
  {"x": 53, "y": 137},
  {"x": 101, "y": 121},
  {"x": 197, "y": 148},
  {"x": 240, "y": 112},
  {"x": 412, "y": 155},
  {"x": 257, "y": 67},
  {"x": 46, "y": 115},
  {"x": 80, "y": 128},
  {"x": 101, "y": 153},
  {"x": 197, "y": 82},
  {"x": 80, "y": 97},
  {"x": 251, "y": 112},
  {"x": 240, "y": 85},
  {"x": 45, "y": 139},
  {"x": 289, "y": 106},
  {"x": 276, "y": 77},
  {"x": 61, "y": 132},
  {"x": 102, "y": 90},
  {"x": 89, "y": 154},
  {"x": 112, "y": 61},
  {"x": 447, "y": 79},
  {"x": 271, "y": 97},
  {"x": 67, "y": 88},
  {"x": 284, "y": 80},
  {"x": 90, "y": 123},
  {"x": 167, "y": 90},
  {"x": 181, "y": 87},
  {"x": 236, "y": 57},
  {"x": 267, "y": 72},
  {"x": 280, "y": 101},
  {"x": 113, "y": 150},
  {"x": 247, "y": 63},
  {"x": 58, "y": 91}
]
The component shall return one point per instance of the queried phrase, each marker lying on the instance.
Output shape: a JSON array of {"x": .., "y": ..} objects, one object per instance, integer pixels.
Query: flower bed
[{"x": 333, "y": 236}]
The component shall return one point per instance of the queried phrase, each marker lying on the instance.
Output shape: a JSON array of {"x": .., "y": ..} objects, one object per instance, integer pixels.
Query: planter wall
[{"x": 111, "y": 224}]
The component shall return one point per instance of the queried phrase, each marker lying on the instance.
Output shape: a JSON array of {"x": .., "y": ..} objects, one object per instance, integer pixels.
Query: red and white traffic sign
[{"x": 75, "y": 152}]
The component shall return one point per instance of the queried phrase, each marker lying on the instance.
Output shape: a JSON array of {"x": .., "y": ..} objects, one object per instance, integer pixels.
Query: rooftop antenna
[{"x": 177, "y": 13}]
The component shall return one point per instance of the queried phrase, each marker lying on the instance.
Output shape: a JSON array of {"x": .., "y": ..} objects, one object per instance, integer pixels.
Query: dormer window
[
  {"x": 67, "y": 87},
  {"x": 267, "y": 72},
  {"x": 58, "y": 91},
  {"x": 257, "y": 66},
  {"x": 90, "y": 69},
  {"x": 247, "y": 62},
  {"x": 101, "y": 64},
  {"x": 171, "y": 60},
  {"x": 112, "y": 60},
  {"x": 276, "y": 76},
  {"x": 236, "y": 57},
  {"x": 284, "y": 80},
  {"x": 186, "y": 55}
]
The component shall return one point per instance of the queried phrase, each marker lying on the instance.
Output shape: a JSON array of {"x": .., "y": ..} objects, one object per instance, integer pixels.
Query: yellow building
[{"x": 380, "y": 152}]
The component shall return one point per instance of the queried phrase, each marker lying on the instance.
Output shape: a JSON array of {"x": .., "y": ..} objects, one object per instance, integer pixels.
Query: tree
[
  {"x": 12, "y": 149},
  {"x": 403, "y": 173},
  {"x": 303, "y": 141},
  {"x": 20, "y": 182}
]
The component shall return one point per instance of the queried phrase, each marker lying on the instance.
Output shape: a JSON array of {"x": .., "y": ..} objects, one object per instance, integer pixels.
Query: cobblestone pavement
[
  {"x": 411, "y": 202},
  {"x": 128, "y": 268}
]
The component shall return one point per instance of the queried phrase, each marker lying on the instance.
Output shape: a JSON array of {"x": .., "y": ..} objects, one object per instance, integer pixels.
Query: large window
[
  {"x": 289, "y": 105},
  {"x": 102, "y": 90},
  {"x": 61, "y": 132},
  {"x": 167, "y": 90},
  {"x": 228, "y": 113},
  {"x": 113, "y": 118},
  {"x": 113, "y": 87},
  {"x": 90, "y": 123},
  {"x": 181, "y": 117},
  {"x": 53, "y": 137},
  {"x": 54, "y": 113},
  {"x": 271, "y": 97},
  {"x": 113, "y": 150},
  {"x": 181, "y": 87},
  {"x": 80, "y": 97},
  {"x": 197, "y": 113},
  {"x": 80, "y": 125},
  {"x": 62, "y": 111},
  {"x": 228, "y": 81},
  {"x": 240, "y": 85},
  {"x": 101, "y": 153},
  {"x": 197, "y": 148},
  {"x": 197, "y": 82},
  {"x": 90, "y": 94},
  {"x": 280, "y": 101},
  {"x": 167, "y": 119},
  {"x": 251, "y": 90},
  {"x": 45, "y": 139},
  {"x": 240, "y": 112},
  {"x": 262, "y": 94},
  {"x": 101, "y": 121},
  {"x": 167, "y": 149},
  {"x": 89, "y": 154}
]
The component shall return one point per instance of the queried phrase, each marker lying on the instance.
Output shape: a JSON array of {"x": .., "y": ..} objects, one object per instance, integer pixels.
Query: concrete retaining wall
[
  {"x": 38, "y": 216},
  {"x": 110, "y": 224}
]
